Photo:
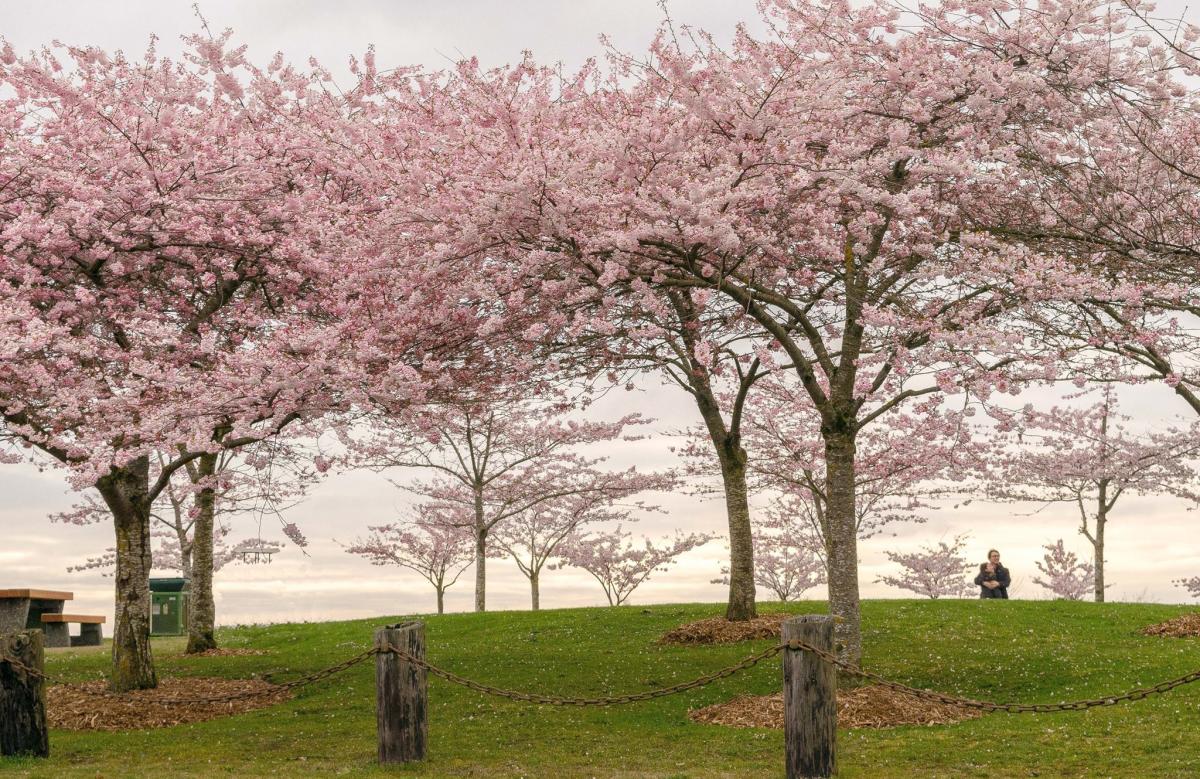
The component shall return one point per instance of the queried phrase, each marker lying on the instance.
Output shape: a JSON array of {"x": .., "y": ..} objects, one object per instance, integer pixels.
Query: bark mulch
[
  {"x": 1183, "y": 626},
  {"x": 228, "y": 652},
  {"x": 718, "y": 630},
  {"x": 70, "y": 708},
  {"x": 872, "y": 706}
]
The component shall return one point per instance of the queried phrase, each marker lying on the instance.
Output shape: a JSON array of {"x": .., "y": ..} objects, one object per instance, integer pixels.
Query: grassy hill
[{"x": 1014, "y": 650}]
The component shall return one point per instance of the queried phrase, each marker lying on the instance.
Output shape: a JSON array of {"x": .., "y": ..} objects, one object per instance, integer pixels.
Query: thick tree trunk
[
  {"x": 202, "y": 616},
  {"x": 741, "y": 605},
  {"x": 842, "y": 543},
  {"x": 125, "y": 492},
  {"x": 533, "y": 591},
  {"x": 732, "y": 457},
  {"x": 441, "y": 600}
]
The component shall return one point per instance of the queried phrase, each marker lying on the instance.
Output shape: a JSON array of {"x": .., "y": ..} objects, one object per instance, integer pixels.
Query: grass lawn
[{"x": 1002, "y": 650}]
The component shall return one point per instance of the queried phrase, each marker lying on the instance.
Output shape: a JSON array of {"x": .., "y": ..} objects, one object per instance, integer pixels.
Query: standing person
[{"x": 993, "y": 578}]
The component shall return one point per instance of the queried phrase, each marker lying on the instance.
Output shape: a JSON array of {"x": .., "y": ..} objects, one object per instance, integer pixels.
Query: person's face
[{"x": 994, "y": 558}]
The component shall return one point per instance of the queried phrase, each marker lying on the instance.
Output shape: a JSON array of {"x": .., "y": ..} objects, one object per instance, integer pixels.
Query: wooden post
[
  {"x": 809, "y": 699},
  {"x": 23, "y": 696},
  {"x": 402, "y": 698}
]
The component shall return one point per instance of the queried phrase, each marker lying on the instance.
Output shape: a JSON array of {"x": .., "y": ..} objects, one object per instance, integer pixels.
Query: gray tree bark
[
  {"x": 842, "y": 543},
  {"x": 726, "y": 440},
  {"x": 480, "y": 569},
  {"x": 202, "y": 615},
  {"x": 533, "y": 591},
  {"x": 126, "y": 493}
]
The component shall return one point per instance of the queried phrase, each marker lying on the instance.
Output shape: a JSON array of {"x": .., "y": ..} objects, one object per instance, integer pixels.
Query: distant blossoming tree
[
  {"x": 533, "y": 537},
  {"x": 621, "y": 566},
  {"x": 1192, "y": 585},
  {"x": 1066, "y": 576},
  {"x": 789, "y": 558},
  {"x": 437, "y": 549},
  {"x": 934, "y": 571},
  {"x": 1090, "y": 457},
  {"x": 493, "y": 460}
]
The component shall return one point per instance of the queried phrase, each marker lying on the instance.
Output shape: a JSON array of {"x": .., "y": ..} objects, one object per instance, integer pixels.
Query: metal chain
[
  {"x": 554, "y": 700},
  {"x": 616, "y": 700},
  {"x": 270, "y": 691},
  {"x": 1012, "y": 708}
]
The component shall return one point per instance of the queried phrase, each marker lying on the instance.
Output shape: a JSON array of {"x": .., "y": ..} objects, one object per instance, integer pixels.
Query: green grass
[{"x": 1014, "y": 650}]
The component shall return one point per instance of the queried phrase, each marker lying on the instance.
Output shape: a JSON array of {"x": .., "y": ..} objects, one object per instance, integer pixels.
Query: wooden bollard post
[
  {"x": 809, "y": 699},
  {"x": 402, "y": 698},
  {"x": 23, "y": 696}
]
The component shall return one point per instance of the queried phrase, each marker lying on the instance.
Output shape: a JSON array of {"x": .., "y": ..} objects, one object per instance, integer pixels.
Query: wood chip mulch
[
  {"x": 70, "y": 708},
  {"x": 872, "y": 706},
  {"x": 718, "y": 630},
  {"x": 227, "y": 652},
  {"x": 1183, "y": 626}
]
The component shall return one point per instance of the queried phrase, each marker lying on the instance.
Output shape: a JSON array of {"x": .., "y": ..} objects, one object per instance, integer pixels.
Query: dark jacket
[{"x": 1001, "y": 576}]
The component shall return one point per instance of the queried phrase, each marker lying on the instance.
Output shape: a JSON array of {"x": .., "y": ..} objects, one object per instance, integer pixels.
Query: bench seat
[
  {"x": 58, "y": 633},
  {"x": 89, "y": 619}
]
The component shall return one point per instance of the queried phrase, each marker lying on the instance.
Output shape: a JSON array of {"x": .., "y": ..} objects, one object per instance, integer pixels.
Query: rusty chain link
[
  {"x": 554, "y": 700},
  {"x": 274, "y": 689},
  {"x": 1011, "y": 708},
  {"x": 616, "y": 700}
]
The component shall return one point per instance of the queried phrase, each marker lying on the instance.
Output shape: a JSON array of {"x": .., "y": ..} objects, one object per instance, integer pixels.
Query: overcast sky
[{"x": 1151, "y": 540}]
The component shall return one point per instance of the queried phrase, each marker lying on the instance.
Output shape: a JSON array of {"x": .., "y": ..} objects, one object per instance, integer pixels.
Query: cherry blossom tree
[
  {"x": 1090, "y": 457},
  {"x": 933, "y": 571},
  {"x": 788, "y": 557},
  {"x": 822, "y": 180},
  {"x": 434, "y": 546},
  {"x": 532, "y": 538},
  {"x": 1066, "y": 575},
  {"x": 496, "y": 460},
  {"x": 1192, "y": 585},
  {"x": 186, "y": 268},
  {"x": 621, "y": 566},
  {"x": 695, "y": 346}
]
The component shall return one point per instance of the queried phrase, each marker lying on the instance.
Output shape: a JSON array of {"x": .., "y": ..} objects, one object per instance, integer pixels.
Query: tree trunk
[
  {"x": 732, "y": 457},
  {"x": 441, "y": 599},
  {"x": 480, "y": 569},
  {"x": 1098, "y": 554},
  {"x": 185, "y": 559},
  {"x": 125, "y": 492},
  {"x": 202, "y": 616},
  {"x": 481, "y": 532},
  {"x": 842, "y": 540},
  {"x": 533, "y": 590},
  {"x": 741, "y": 605}
]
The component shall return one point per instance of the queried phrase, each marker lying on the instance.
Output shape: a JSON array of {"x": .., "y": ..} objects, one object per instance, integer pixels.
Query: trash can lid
[{"x": 168, "y": 585}]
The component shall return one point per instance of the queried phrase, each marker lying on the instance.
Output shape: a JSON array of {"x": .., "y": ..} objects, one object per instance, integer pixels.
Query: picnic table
[{"x": 30, "y": 609}]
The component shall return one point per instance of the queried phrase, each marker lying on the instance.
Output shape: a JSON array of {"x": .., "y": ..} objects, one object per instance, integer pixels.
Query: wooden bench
[{"x": 57, "y": 629}]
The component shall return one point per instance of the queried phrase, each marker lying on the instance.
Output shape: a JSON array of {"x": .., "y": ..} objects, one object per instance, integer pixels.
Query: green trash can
[{"x": 168, "y": 607}]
